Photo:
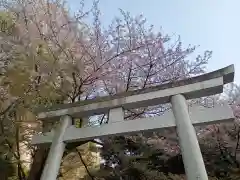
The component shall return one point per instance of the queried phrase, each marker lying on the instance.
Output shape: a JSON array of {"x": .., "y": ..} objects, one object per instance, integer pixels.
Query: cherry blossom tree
[{"x": 53, "y": 57}]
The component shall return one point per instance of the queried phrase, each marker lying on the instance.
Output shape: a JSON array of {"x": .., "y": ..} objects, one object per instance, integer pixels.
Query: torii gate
[{"x": 180, "y": 116}]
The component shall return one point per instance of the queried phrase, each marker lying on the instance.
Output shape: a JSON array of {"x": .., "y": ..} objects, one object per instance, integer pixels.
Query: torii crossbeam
[{"x": 180, "y": 116}]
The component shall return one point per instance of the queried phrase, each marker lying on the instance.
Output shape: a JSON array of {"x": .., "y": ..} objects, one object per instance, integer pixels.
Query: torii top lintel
[{"x": 195, "y": 87}]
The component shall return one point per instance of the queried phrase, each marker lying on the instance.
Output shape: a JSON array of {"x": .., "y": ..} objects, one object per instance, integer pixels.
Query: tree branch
[{"x": 80, "y": 156}]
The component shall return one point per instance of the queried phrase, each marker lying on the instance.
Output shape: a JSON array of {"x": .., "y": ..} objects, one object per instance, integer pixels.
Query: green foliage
[
  {"x": 7, "y": 169},
  {"x": 7, "y": 22}
]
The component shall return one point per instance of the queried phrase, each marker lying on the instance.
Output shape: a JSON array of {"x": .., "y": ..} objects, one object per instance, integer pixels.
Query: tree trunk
[{"x": 40, "y": 157}]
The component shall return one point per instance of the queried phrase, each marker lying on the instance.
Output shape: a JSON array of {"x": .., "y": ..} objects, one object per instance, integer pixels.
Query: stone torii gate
[{"x": 180, "y": 116}]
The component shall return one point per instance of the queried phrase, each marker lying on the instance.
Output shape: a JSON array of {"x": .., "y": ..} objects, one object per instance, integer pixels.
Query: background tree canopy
[{"x": 50, "y": 57}]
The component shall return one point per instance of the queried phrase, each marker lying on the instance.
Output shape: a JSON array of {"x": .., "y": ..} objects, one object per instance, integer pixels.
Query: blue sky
[{"x": 212, "y": 24}]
